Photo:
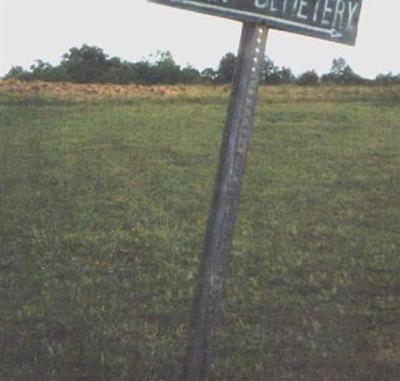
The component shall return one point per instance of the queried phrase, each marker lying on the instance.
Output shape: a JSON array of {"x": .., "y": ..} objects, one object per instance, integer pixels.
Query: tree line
[{"x": 89, "y": 64}]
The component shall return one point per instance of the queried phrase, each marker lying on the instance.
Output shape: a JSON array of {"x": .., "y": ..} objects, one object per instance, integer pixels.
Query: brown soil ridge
[{"x": 85, "y": 91}]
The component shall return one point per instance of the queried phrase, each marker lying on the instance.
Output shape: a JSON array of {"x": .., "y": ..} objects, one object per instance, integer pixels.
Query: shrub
[{"x": 309, "y": 78}]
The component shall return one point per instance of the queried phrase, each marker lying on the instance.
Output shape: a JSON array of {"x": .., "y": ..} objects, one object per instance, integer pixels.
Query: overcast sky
[{"x": 133, "y": 29}]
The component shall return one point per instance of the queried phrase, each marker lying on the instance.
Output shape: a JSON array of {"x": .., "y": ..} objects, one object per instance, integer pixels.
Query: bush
[
  {"x": 166, "y": 70},
  {"x": 226, "y": 68},
  {"x": 190, "y": 75},
  {"x": 43, "y": 71},
  {"x": 309, "y": 78},
  {"x": 209, "y": 75},
  {"x": 275, "y": 75},
  {"x": 17, "y": 72},
  {"x": 387, "y": 79},
  {"x": 121, "y": 73},
  {"x": 341, "y": 73},
  {"x": 87, "y": 64}
]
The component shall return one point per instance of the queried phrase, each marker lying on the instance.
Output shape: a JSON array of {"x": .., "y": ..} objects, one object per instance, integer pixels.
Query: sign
[{"x": 333, "y": 20}]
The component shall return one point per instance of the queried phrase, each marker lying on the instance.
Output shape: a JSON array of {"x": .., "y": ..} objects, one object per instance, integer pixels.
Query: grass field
[{"x": 103, "y": 202}]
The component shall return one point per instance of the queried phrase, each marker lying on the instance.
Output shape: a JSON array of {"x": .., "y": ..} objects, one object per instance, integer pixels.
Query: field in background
[{"x": 104, "y": 194}]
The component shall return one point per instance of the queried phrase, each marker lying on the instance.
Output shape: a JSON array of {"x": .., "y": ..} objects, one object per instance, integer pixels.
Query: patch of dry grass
[{"x": 272, "y": 94}]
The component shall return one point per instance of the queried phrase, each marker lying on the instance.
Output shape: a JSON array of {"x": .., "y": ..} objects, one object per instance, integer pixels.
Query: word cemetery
[{"x": 334, "y": 20}]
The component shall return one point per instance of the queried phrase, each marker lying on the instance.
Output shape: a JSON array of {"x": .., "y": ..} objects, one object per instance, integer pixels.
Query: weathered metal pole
[{"x": 222, "y": 217}]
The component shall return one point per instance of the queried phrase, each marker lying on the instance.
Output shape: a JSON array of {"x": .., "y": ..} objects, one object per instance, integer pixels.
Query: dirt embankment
[
  {"x": 84, "y": 91},
  {"x": 273, "y": 94}
]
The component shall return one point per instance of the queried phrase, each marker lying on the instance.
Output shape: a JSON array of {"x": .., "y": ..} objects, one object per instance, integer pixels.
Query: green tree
[
  {"x": 309, "y": 78},
  {"x": 166, "y": 70},
  {"x": 209, "y": 75},
  {"x": 190, "y": 75},
  {"x": 341, "y": 73},
  {"x": 226, "y": 68},
  {"x": 121, "y": 73},
  {"x": 40, "y": 70},
  {"x": 275, "y": 75},
  {"x": 17, "y": 72},
  {"x": 271, "y": 72},
  {"x": 286, "y": 76},
  {"x": 86, "y": 64},
  {"x": 387, "y": 79},
  {"x": 43, "y": 71},
  {"x": 145, "y": 72}
]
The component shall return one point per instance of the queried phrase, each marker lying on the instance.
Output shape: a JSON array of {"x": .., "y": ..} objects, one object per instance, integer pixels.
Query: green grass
[{"x": 102, "y": 214}]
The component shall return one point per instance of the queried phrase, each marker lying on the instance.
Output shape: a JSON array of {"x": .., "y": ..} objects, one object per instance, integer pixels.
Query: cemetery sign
[{"x": 334, "y": 20}]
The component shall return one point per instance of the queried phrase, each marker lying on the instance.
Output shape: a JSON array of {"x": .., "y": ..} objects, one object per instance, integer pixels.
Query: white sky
[{"x": 133, "y": 29}]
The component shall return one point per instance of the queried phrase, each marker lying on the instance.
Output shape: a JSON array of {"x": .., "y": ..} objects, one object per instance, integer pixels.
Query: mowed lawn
[{"x": 102, "y": 213}]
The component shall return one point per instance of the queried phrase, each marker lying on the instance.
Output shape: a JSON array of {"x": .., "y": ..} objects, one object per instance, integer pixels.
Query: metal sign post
[
  {"x": 222, "y": 217},
  {"x": 334, "y": 20}
]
